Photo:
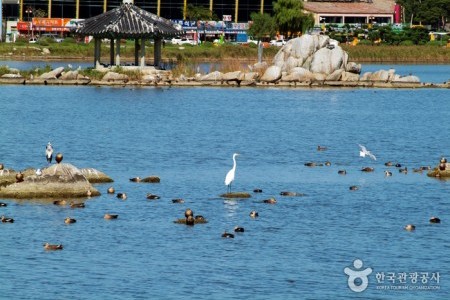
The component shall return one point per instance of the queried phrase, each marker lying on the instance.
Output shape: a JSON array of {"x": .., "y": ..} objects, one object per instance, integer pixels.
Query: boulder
[
  {"x": 272, "y": 74},
  {"x": 347, "y": 76},
  {"x": 251, "y": 76},
  {"x": 232, "y": 76},
  {"x": 95, "y": 176},
  {"x": 298, "y": 74},
  {"x": 7, "y": 177},
  {"x": 353, "y": 67},
  {"x": 113, "y": 76},
  {"x": 319, "y": 76},
  {"x": 440, "y": 173},
  {"x": 260, "y": 67},
  {"x": 150, "y": 78},
  {"x": 327, "y": 61},
  {"x": 70, "y": 75},
  {"x": 58, "y": 180},
  {"x": 12, "y": 76},
  {"x": 213, "y": 76},
  {"x": 409, "y": 78},
  {"x": 366, "y": 76},
  {"x": 53, "y": 74},
  {"x": 335, "y": 76},
  {"x": 380, "y": 75}
]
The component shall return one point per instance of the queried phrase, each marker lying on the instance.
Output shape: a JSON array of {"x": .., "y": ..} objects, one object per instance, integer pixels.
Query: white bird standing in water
[
  {"x": 49, "y": 152},
  {"x": 363, "y": 152},
  {"x": 230, "y": 175}
]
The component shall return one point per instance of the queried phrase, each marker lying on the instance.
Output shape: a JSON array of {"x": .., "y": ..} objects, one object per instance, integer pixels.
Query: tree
[
  {"x": 290, "y": 18},
  {"x": 431, "y": 12},
  {"x": 195, "y": 13},
  {"x": 263, "y": 25}
]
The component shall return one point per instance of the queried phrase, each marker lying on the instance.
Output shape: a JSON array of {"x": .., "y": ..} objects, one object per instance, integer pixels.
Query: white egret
[
  {"x": 230, "y": 175},
  {"x": 49, "y": 152},
  {"x": 363, "y": 152}
]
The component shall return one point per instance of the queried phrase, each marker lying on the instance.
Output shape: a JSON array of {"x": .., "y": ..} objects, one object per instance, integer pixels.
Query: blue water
[{"x": 296, "y": 249}]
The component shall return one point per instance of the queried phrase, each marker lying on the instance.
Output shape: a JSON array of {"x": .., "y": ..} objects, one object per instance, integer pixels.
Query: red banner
[{"x": 44, "y": 24}]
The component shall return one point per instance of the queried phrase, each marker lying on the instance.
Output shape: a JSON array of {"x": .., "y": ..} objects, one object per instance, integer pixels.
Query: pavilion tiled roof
[
  {"x": 128, "y": 21},
  {"x": 363, "y": 7}
]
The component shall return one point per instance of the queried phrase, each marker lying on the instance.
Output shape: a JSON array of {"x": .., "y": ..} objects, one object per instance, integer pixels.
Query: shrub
[{"x": 407, "y": 43}]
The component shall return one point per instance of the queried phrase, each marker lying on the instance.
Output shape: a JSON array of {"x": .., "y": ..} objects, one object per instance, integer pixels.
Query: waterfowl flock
[{"x": 190, "y": 219}]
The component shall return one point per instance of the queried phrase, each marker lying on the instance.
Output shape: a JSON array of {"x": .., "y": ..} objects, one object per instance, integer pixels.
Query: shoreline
[{"x": 227, "y": 84}]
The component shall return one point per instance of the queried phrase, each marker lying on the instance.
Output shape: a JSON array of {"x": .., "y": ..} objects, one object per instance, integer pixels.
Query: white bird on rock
[
  {"x": 230, "y": 175},
  {"x": 363, "y": 152},
  {"x": 49, "y": 152}
]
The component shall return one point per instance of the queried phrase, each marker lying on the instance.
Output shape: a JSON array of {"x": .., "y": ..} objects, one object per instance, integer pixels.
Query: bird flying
[
  {"x": 230, "y": 175},
  {"x": 363, "y": 152}
]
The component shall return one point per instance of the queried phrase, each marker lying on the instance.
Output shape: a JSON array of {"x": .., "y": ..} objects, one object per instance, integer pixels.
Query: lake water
[{"x": 297, "y": 248}]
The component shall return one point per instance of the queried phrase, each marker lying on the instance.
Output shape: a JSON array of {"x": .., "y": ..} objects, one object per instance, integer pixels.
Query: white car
[
  {"x": 277, "y": 43},
  {"x": 183, "y": 41}
]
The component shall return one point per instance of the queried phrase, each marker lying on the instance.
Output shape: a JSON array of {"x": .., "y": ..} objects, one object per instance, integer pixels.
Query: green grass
[
  {"x": 401, "y": 54},
  {"x": 192, "y": 56}
]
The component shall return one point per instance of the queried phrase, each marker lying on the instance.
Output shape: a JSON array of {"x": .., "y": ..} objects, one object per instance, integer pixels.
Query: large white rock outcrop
[{"x": 319, "y": 58}]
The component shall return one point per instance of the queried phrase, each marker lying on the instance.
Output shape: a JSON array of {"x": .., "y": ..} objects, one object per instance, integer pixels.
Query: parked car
[
  {"x": 32, "y": 40},
  {"x": 277, "y": 43},
  {"x": 52, "y": 36},
  {"x": 183, "y": 41}
]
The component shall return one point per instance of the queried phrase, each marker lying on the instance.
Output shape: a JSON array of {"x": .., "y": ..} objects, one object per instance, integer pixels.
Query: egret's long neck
[{"x": 234, "y": 162}]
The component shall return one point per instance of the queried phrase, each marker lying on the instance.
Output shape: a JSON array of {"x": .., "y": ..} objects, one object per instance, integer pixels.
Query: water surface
[{"x": 297, "y": 248}]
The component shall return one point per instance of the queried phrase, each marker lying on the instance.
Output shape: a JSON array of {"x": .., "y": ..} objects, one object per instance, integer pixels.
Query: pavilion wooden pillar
[
  {"x": 118, "y": 52},
  {"x": 142, "y": 53},
  {"x": 157, "y": 52},
  {"x": 262, "y": 6},
  {"x": 111, "y": 52},
  {"x": 136, "y": 51},
  {"x": 97, "y": 53}
]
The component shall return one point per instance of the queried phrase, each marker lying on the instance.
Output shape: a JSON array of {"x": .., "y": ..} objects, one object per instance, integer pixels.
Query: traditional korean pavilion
[{"x": 129, "y": 22}]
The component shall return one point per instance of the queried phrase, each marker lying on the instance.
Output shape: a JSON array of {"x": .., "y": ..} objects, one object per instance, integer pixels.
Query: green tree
[
  {"x": 195, "y": 13},
  {"x": 263, "y": 25},
  {"x": 429, "y": 12},
  {"x": 290, "y": 18}
]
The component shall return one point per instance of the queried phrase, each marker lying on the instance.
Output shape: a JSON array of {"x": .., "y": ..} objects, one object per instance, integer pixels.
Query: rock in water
[{"x": 60, "y": 180}]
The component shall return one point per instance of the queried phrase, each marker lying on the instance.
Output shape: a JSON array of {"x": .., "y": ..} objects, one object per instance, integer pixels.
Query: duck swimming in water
[
  {"x": 410, "y": 227},
  {"x": 69, "y": 220},
  {"x": 239, "y": 229},
  {"x": 254, "y": 214},
  {"x": 7, "y": 220},
  {"x": 435, "y": 220},
  {"x": 228, "y": 235},
  {"x": 48, "y": 246}
]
